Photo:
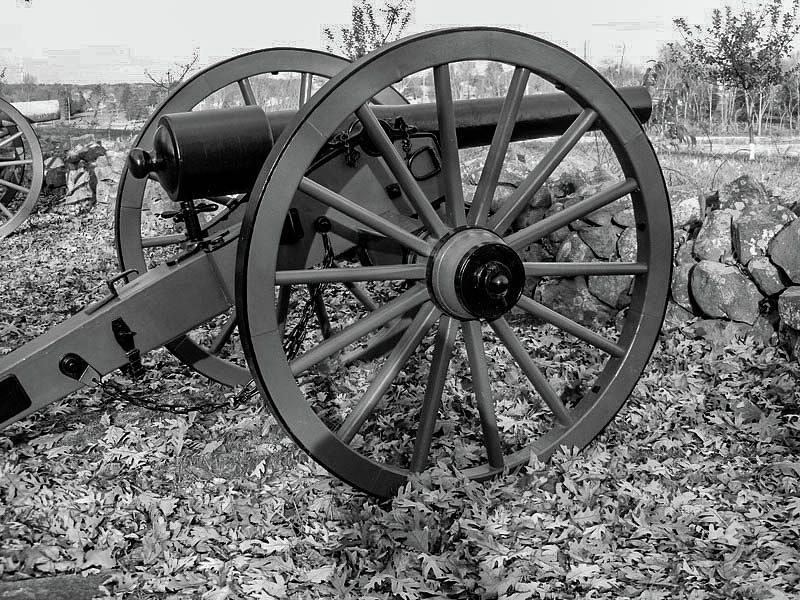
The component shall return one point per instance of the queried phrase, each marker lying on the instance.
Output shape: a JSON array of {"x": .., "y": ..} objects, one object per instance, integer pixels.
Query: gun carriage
[
  {"x": 21, "y": 168},
  {"x": 359, "y": 191}
]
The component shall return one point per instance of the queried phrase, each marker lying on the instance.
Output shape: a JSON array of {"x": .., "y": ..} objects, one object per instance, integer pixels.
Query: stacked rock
[{"x": 736, "y": 257}]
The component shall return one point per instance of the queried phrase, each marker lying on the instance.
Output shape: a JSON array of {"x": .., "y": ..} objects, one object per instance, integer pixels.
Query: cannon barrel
[{"x": 220, "y": 152}]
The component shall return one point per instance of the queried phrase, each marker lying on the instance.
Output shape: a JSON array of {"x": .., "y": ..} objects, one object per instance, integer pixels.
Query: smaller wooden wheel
[
  {"x": 273, "y": 78},
  {"x": 21, "y": 168},
  {"x": 488, "y": 368}
]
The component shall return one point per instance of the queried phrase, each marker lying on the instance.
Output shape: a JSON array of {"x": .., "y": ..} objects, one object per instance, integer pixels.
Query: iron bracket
[
  {"x": 124, "y": 336},
  {"x": 112, "y": 291}
]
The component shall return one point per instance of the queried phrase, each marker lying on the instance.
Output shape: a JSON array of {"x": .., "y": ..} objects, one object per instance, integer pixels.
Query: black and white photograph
[{"x": 399, "y": 300}]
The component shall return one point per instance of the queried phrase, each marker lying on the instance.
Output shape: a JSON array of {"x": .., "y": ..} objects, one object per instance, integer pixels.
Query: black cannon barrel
[
  {"x": 206, "y": 153},
  {"x": 219, "y": 152}
]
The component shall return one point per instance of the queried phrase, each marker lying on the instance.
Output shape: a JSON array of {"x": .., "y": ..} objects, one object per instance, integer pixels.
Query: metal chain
[
  {"x": 114, "y": 391},
  {"x": 345, "y": 140},
  {"x": 405, "y": 135},
  {"x": 294, "y": 341}
]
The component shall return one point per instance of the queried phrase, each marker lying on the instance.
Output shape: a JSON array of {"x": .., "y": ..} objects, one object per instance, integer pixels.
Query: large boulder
[
  {"x": 571, "y": 298},
  {"x": 55, "y": 172},
  {"x": 624, "y": 217},
  {"x": 789, "y": 307},
  {"x": 714, "y": 238},
  {"x": 784, "y": 250},
  {"x": 685, "y": 211},
  {"x": 569, "y": 182},
  {"x": 534, "y": 253},
  {"x": 742, "y": 192},
  {"x": 559, "y": 235},
  {"x": 602, "y": 216},
  {"x": 755, "y": 227},
  {"x": 88, "y": 153},
  {"x": 722, "y": 291},
  {"x": 614, "y": 290},
  {"x": 527, "y": 217},
  {"x": 81, "y": 185},
  {"x": 501, "y": 194},
  {"x": 681, "y": 275},
  {"x": 574, "y": 249},
  {"x": 685, "y": 253},
  {"x": 766, "y": 275},
  {"x": 627, "y": 245},
  {"x": 602, "y": 240},
  {"x": 790, "y": 339}
]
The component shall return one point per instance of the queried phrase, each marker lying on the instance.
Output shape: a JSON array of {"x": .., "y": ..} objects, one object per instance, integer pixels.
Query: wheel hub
[{"x": 473, "y": 274}]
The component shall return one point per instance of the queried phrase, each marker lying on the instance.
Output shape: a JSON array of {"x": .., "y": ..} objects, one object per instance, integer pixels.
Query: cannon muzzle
[{"x": 220, "y": 152}]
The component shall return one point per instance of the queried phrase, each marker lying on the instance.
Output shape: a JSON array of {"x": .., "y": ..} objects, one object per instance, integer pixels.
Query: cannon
[
  {"x": 21, "y": 167},
  {"x": 389, "y": 319}
]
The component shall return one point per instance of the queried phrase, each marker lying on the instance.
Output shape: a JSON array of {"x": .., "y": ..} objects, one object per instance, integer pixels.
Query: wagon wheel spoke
[
  {"x": 400, "y": 170},
  {"x": 490, "y": 174},
  {"x": 451, "y": 165},
  {"x": 333, "y": 274},
  {"x": 160, "y": 241},
  {"x": 305, "y": 88},
  {"x": 320, "y": 311},
  {"x": 574, "y": 269},
  {"x": 5, "y": 211},
  {"x": 362, "y": 295},
  {"x": 344, "y": 337},
  {"x": 412, "y": 338},
  {"x": 532, "y": 372},
  {"x": 576, "y": 329},
  {"x": 473, "y": 340},
  {"x": 7, "y": 140},
  {"x": 442, "y": 353},
  {"x": 14, "y": 186},
  {"x": 538, "y": 230},
  {"x": 246, "y": 89},
  {"x": 380, "y": 343},
  {"x": 365, "y": 216},
  {"x": 522, "y": 196},
  {"x": 14, "y": 163}
]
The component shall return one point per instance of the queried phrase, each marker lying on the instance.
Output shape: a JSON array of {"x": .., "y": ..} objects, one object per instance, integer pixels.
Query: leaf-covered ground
[{"x": 692, "y": 492}]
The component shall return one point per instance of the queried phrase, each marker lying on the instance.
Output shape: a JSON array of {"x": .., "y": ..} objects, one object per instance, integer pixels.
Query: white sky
[{"x": 86, "y": 41}]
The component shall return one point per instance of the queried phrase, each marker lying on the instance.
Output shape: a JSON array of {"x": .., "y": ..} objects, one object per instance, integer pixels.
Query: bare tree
[
  {"x": 175, "y": 74},
  {"x": 367, "y": 30}
]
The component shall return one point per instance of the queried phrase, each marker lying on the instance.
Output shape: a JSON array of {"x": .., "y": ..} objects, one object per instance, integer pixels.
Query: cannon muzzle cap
[{"x": 141, "y": 163}]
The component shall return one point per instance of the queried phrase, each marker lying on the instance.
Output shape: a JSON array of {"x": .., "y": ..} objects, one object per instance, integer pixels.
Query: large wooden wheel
[
  {"x": 470, "y": 382},
  {"x": 21, "y": 168},
  {"x": 144, "y": 239}
]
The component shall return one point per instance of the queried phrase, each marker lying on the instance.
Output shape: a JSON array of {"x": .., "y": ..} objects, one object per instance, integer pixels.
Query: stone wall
[
  {"x": 741, "y": 262},
  {"x": 736, "y": 257}
]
